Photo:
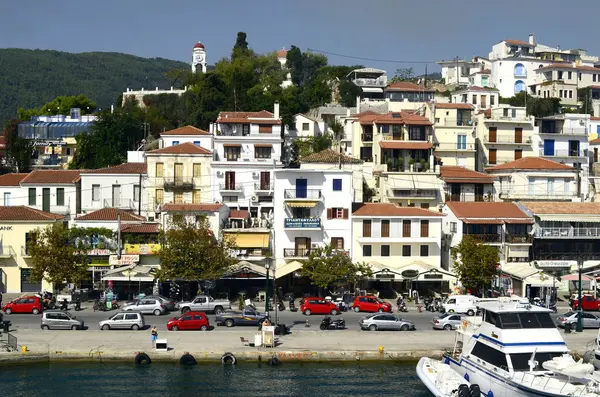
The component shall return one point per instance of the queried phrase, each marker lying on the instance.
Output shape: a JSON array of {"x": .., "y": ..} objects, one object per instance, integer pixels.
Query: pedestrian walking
[
  {"x": 0, "y": 299},
  {"x": 154, "y": 335}
]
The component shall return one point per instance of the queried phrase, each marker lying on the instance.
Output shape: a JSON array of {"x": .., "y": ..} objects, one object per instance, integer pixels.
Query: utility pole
[{"x": 140, "y": 196}]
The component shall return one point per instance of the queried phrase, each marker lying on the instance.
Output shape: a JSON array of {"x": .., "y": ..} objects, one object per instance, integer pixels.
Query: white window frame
[
  {"x": 98, "y": 198},
  {"x": 6, "y": 199}
]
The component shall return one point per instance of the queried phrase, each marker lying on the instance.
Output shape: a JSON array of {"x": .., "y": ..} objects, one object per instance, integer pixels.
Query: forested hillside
[{"x": 30, "y": 78}]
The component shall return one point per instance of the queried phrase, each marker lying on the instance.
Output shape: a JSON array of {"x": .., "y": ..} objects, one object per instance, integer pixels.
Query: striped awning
[
  {"x": 519, "y": 221},
  {"x": 488, "y": 221},
  {"x": 302, "y": 204}
]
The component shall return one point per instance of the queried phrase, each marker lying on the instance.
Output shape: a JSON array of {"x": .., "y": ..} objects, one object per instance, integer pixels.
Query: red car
[
  {"x": 371, "y": 303},
  {"x": 318, "y": 306},
  {"x": 190, "y": 320},
  {"x": 588, "y": 302},
  {"x": 25, "y": 304}
]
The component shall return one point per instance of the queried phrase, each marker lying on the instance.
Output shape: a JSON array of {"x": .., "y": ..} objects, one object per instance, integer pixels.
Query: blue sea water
[{"x": 128, "y": 380}]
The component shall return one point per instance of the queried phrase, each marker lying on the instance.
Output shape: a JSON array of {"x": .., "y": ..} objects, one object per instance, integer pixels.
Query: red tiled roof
[
  {"x": 12, "y": 179},
  {"x": 282, "y": 53},
  {"x": 407, "y": 86},
  {"x": 563, "y": 208},
  {"x": 592, "y": 142},
  {"x": 238, "y": 214},
  {"x": 186, "y": 130},
  {"x": 125, "y": 168},
  {"x": 387, "y": 209},
  {"x": 198, "y": 45},
  {"x": 530, "y": 163},
  {"x": 570, "y": 66},
  {"x": 519, "y": 42},
  {"x": 172, "y": 207},
  {"x": 110, "y": 214},
  {"x": 22, "y": 213},
  {"x": 478, "y": 89},
  {"x": 454, "y": 106},
  {"x": 405, "y": 145},
  {"x": 486, "y": 210},
  {"x": 183, "y": 148},
  {"x": 594, "y": 118},
  {"x": 329, "y": 156},
  {"x": 262, "y": 117},
  {"x": 59, "y": 177},
  {"x": 457, "y": 174},
  {"x": 144, "y": 228}
]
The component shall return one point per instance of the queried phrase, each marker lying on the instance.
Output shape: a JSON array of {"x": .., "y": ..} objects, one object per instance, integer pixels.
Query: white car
[{"x": 146, "y": 305}]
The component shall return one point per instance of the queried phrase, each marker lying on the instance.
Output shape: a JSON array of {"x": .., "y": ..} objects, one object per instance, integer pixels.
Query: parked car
[
  {"x": 204, "y": 303},
  {"x": 24, "y": 304},
  {"x": 314, "y": 305},
  {"x": 385, "y": 322},
  {"x": 589, "y": 320},
  {"x": 189, "y": 320},
  {"x": 588, "y": 302},
  {"x": 371, "y": 303},
  {"x": 447, "y": 321},
  {"x": 461, "y": 304},
  {"x": 146, "y": 305},
  {"x": 169, "y": 304},
  {"x": 129, "y": 320},
  {"x": 57, "y": 319},
  {"x": 248, "y": 316}
]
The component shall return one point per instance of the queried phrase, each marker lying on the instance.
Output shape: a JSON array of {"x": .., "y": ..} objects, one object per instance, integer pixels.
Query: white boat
[
  {"x": 517, "y": 351},
  {"x": 440, "y": 378}
]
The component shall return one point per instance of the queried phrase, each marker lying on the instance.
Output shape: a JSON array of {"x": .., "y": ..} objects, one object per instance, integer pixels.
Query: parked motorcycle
[
  {"x": 402, "y": 308},
  {"x": 280, "y": 306},
  {"x": 292, "y": 305},
  {"x": 328, "y": 323}
]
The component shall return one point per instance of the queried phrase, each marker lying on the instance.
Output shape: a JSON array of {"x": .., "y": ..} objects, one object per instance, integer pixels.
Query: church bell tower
[{"x": 199, "y": 58}]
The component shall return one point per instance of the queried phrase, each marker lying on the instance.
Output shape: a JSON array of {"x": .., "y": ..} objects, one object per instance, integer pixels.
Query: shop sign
[
  {"x": 433, "y": 276},
  {"x": 410, "y": 273},
  {"x": 98, "y": 251},
  {"x": 5, "y": 228},
  {"x": 384, "y": 276},
  {"x": 555, "y": 264},
  {"x": 124, "y": 261},
  {"x": 142, "y": 249}
]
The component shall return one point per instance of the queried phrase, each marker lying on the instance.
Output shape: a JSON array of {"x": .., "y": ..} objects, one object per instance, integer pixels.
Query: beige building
[
  {"x": 17, "y": 227},
  {"x": 179, "y": 174},
  {"x": 504, "y": 134},
  {"x": 462, "y": 184},
  {"x": 453, "y": 137}
]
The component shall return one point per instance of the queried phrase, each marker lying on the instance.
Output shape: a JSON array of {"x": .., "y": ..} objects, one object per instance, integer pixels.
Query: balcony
[
  {"x": 125, "y": 204},
  {"x": 486, "y": 238},
  {"x": 370, "y": 82},
  {"x": 48, "y": 161},
  {"x": 551, "y": 195},
  {"x": 263, "y": 187},
  {"x": 454, "y": 147},
  {"x": 463, "y": 197},
  {"x": 565, "y": 131},
  {"x": 408, "y": 194},
  {"x": 303, "y": 223},
  {"x": 252, "y": 253},
  {"x": 453, "y": 122},
  {"x": 560, "y": 153},
  {"x": 507, "y": 139},
  {"x": 568, "y": 232},
  {"x": 500, "y": 160},
  {"x": 6, "y": 251},
  {"x": 178, "y": 183},
  {"x": 302, "y": 194},
  {"x": 519, "y": 239},
  {"x": 296, "y": 252},
  {"x": 231, "y": 187},
  {"x": 367, "y": 137}
]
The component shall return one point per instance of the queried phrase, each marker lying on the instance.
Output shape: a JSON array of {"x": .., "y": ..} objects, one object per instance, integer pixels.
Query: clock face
[{"x": 199, "y": 58}]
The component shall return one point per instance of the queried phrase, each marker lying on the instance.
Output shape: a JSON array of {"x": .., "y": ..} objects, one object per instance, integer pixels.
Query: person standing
[
  {"x": 0, "y": 299},
  {"x": 154, "y": 335}
]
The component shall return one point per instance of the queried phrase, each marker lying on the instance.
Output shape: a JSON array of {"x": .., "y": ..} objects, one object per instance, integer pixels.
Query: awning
[
  {"x": 575, "y": 277},
  {"x": 384, "y": 273},
  {"x": 263, "y": 145},
  {"x": 288, "y": 268},
  {"x": 249, "y": 240},
  {"x": 302, "y": 204},
  {"x": 133, "y": 272},
  {"x": 470, "y": 180},
  {"x": 232, "y": 145},
  {"x": 519, "y": 221},
  {"x": 246, "y": 270},
  {"x": 519, "y": 270},
  {"x": 372, "y": 89},
  {"x": 405, "y": 145},
  {"x": 569, "y": 218},
  {"x": 541, "y": 279},
  {"x": 488, "y": 221}
]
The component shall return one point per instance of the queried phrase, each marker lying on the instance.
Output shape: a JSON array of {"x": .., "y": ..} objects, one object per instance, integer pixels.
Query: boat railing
[{"x": 552, "y": 383}]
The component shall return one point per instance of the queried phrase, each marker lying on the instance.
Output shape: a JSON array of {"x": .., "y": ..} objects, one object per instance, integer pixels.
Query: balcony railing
[
  {"x": 367, "y": 137},
  {"x": 417, "y": 193},
  {"x": 485, "y": 238},
  {"x": 452, "y": 122},
  {"x": 560, "y": 153},
  {"x": 252, "y": 253},
  {"x": 178, "y": 182},
  {"x": 511, "y": 194},
  {"x": 120, "y": 203},
  {"x": 463, "y": 197},
  {"x": 454, "y": 146},
  {"x": 302, "y": 223},
  {"x": 568, "y": 232},
  {"x": 370, "y": 82},
  {"x": 7, "y": 251},
  {"x": 309, "y": 194},
  {"x": 501, "y": 160},
  {"x": 519, "y": 238},
  {"x": 230, "y": 187},
  {"x": 296, "y": 252},
  {"x": 566, "y": 131},
  {"x": 508, "y": 139}
]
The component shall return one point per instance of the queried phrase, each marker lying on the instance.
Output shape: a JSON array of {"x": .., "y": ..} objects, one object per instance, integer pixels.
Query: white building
[
  {"x": 247, "y": 149},
  {"x": 55, "y": 191},
  {"x": 564, "y": 138},
  {"x": 458, "y": 71},
  {"x": 10, "y": 190},
  {"x": 199, "y": 58},
  {"x": 306, "y": 127},
  {"x": 312, "y": 208},
  {"x": 482, "y": 98},
  {"x": 122, "y": 186},
  {"x": 282, "y": 58},
  {"x": 185, "y": 134}
]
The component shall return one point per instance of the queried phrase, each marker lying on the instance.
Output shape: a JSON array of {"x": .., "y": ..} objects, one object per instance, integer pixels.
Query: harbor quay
[{"x": 299, "y": 346}]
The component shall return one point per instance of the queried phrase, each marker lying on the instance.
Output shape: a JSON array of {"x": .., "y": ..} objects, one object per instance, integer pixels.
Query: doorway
[
  {"x": 116, "y": 196},
  {"x": 46, "y": 199}
]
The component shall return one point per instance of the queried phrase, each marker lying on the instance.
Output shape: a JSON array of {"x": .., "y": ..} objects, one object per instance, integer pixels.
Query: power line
[{"x": 367, "y": 59}]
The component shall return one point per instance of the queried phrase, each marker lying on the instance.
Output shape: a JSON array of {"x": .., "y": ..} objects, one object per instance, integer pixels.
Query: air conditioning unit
[
  {"x": 219, "y": 173},
  {"x": 581, "y": 122},
  {"x": 314, "y": 246},
  {"x": 254, "y": 199}
]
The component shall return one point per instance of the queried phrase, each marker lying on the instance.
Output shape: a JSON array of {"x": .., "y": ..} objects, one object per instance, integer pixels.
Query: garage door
[{"x": 26, "y": 284}]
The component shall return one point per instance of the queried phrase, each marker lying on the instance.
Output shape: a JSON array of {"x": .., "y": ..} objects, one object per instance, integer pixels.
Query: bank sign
[
  {"x": 303, "y": 223},
  {"x": 555, "y": 264}
]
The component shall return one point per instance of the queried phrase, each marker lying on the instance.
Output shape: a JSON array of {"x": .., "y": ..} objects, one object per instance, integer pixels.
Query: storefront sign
[
  {"x": 410, "y": 273},
  {"x": 124, "y": 261},
  {"x": 302, "y": 223},
  {"x": 433, "y": 276},
  {"x": 98, "y": 251},
  {"x": 384, "y": 276},
  {"x": 546, "y": 264},
  {"x": 142, "y": 249},
  {"x": 5, "y": 228}
]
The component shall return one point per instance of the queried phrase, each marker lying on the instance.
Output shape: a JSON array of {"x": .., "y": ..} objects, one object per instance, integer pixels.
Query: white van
[{"x": 461, "y": 304}]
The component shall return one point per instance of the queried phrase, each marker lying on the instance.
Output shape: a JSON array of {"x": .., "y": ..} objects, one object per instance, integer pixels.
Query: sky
[{"x": 382, "y": 30}]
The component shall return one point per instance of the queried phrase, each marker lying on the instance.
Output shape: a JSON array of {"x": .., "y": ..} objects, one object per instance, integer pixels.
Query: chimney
[
  {"x": 276, "y": 110},
  {"x": 531, "y": 39}
]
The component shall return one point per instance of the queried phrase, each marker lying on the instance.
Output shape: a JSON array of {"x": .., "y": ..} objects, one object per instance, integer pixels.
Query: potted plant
[{"x": 389, "y": 162}]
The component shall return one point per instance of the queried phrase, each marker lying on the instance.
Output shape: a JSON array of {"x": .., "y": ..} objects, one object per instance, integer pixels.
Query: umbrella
[{"x": 575, "y": 277}]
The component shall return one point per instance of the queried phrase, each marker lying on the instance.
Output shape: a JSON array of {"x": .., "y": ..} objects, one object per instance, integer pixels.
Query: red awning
[
  {"x": 469, "y": 180},
  {"x": 263, "y": 145},
  {"x": 232, "y": 145},
  {"x": 405, "y": 145},
  {"x": 575, "y": 277},
  {"x": 487, "y": 221}
]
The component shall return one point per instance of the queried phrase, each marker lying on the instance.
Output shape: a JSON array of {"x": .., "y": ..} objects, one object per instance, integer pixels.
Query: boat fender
[
  {"x": 228, "y": 359},
  {"x": 274, "y": 361},
  {"x": 187, "y": 359},
  {"x": 490, "y": 394},
  {"x": 142, "y": 359},
  {"x": 466, "y": 377}
]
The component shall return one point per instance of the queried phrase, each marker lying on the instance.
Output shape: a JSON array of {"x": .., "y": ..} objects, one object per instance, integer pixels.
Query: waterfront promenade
[{"x": 301, "y": 345}]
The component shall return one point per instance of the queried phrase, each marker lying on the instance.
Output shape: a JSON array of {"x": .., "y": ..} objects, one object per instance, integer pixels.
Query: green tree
[
  {"x": 327, "y": 267},
  {"x": 60, "y": 105},
  {"x": 584, "y": 95},
  {"x": 240, "y": 48},
  {"x": 537, "y": 107},
  {"x": 403, "y": 74},
  {"x": 191, "y": 252},
  {"x": 18, "y": 149},
  {"x": 54, "y": 257},
  {"x": 475, "y": 263}
]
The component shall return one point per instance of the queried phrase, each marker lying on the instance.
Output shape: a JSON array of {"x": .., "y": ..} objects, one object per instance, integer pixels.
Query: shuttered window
[
  {"x": 196, "y": 196},
  {"x": 337, "y": 243},
  {"x": 406, "y": 228},
  {"x": 385, "y": 228},
  {"x": 366, "y": 228},
  {"x": 160, "y": 196},
  {"x": 424, "y": 228},
  {"x": 160, "y": 170},
  {"x": 265, "y": 129},
  {"x": 197, "y": 170}
]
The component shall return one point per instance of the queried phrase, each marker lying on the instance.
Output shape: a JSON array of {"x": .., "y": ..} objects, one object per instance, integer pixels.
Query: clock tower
[{"x": 199, "y": 58}]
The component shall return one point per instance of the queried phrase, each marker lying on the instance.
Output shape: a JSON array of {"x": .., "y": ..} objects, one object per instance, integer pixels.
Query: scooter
[
  {"x": 402, "y": 308},
  {"x": 328, "y": 323},
  {"x": 280, "y": 306},
  {"x": 64, "y": 305},
  {"x": 292, "y": 306}
]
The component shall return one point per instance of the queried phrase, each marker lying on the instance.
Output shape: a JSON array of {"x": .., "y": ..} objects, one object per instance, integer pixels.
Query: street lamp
[
  {"x": 579, "y": 313},
  {"x": 267, "y": 267}
]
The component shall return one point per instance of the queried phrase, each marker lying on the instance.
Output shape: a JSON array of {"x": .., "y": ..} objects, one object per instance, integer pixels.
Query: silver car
[
  {"x": 146, "y": 305},
  {"x": 447, "y": 321},
  {"x": 589, "y": 320},
  {"x": 134, "y": 321},
  {"x": 170, "y": 304},
  {"x": 385, "y": 321},
  {"x": 57, "y": 319}
]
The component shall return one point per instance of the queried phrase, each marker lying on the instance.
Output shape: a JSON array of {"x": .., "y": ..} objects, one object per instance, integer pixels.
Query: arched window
[
  {"x": 520, "y": 70},
  {"x": 519, "y": 86}
]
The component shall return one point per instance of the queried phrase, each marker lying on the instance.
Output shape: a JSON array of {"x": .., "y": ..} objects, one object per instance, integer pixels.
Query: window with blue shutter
[
  {"x": 197, "y": 143},
  {"x": 337, "y": 185},
  {"x": 175, "y": 143}
]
